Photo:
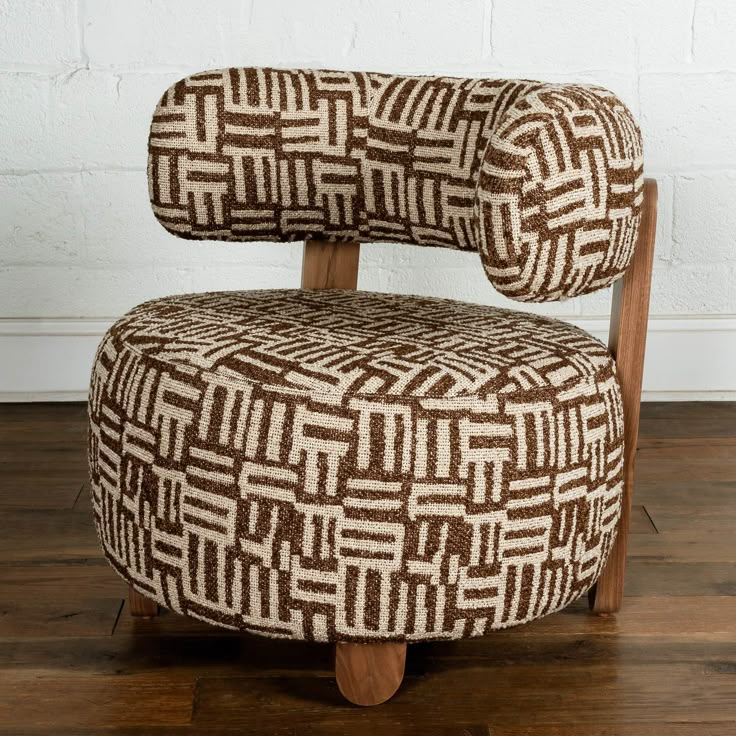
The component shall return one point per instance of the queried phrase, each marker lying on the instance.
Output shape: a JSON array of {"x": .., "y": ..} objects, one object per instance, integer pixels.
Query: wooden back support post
[
  {"x": 627, "y": 341},
  {"x": 329, "y": 265}
]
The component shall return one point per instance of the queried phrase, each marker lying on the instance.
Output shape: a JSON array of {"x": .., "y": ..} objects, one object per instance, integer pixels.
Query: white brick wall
[{"x": 79, "y": 79}]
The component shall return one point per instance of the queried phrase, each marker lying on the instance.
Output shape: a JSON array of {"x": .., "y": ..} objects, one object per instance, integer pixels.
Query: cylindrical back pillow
[{"x": 544, "y": 180}]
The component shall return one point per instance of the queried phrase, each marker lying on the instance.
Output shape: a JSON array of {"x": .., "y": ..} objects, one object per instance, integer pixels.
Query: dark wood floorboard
[
  {"x": 692, "y": 421},
  {"x": 50, "y": 441},
  {"x": 74, "y": 663}
]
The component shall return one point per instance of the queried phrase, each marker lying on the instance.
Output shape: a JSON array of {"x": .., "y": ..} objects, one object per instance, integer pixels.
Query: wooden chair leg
[
  {"x": 369, "y": 674},
  {"x": 607, "y": 595},
  {"x": 140, "y": 606},
  {"x": 626, "y": 342}
]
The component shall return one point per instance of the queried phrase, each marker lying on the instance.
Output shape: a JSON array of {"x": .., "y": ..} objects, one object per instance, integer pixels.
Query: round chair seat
[{"x": 349, "y": 466}]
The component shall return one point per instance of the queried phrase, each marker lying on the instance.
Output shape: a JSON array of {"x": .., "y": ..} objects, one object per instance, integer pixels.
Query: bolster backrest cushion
[{"x": 544, "y": 180}]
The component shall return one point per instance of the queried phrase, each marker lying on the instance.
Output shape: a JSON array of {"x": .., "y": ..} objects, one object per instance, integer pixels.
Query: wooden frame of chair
[
  {"x": 369, "y": 674},
  {"x": 140, "y": 606},
  {"x": 627, "y": 339}
]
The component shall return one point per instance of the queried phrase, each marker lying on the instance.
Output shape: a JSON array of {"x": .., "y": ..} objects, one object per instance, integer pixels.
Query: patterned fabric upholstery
[
  {"x": 340, "y": 465},
  {"x": 544, "y": 180}
]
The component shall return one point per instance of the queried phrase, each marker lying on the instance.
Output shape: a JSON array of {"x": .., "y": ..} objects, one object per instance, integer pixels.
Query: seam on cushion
[
  {"x": 502, "y": 310},
  {"x": 486, "y": 256},
  {"x": 550, "y": 320},
  {"x": 516, "y": 263},
  {"x": 560, "y": 293},
  {"x": 333, "y": 398},
  {"x": 362, "y": 211}
]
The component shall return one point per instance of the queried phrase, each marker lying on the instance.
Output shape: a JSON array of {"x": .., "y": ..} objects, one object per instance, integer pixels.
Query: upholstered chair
[{"x": 372, "y": 469}]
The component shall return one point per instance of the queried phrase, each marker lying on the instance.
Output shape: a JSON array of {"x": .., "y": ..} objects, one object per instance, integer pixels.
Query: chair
[{"x": 374, "y": 469}]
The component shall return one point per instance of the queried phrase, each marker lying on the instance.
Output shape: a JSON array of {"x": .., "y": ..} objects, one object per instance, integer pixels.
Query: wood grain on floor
[{"x": 73, "y": 662}]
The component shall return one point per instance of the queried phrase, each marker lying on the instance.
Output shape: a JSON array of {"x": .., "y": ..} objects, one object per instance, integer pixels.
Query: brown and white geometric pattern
[
  {"x": 341, "y": 465},
  {"x": 544, "y": 180}
]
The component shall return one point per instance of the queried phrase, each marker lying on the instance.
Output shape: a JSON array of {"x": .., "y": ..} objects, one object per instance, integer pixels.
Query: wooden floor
[{"x": 73, "y": 662}]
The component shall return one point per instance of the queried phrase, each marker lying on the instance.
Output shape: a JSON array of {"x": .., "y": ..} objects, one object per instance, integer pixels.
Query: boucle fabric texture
[
  {"x": 544, "y": 180},
  {"x": 341, "y": 465}
]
